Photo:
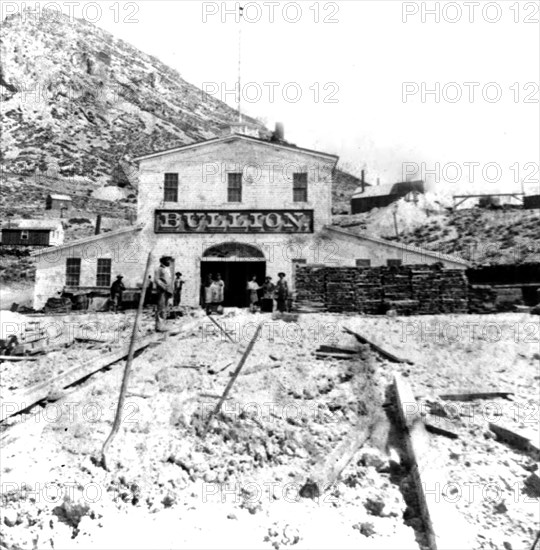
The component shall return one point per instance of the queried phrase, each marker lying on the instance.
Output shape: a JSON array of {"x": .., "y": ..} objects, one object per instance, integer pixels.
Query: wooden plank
[
  {"x": 386, "y": 354},
  {"x": 440, "y": 426},
  {"x": 218, "y": 325},
  {"x": 17, "y": 358},
  {"x": 475, "y": 395},
  {"x": 233, "y": 377},
  {"x": 515, "y": 439}
]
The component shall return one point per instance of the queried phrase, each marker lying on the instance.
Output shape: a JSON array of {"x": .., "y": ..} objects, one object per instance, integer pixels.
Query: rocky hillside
[{"x": 79, "y": 102}]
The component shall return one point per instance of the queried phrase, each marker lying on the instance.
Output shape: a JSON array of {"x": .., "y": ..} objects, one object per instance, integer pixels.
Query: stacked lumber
[
  {"x": 426, "y": 288},
  {"x": 340, "y": 291},
  {"x": 454, "y": 290},
  {"x": 481, "y": 299},
  {"x": 368, "y": 290}
]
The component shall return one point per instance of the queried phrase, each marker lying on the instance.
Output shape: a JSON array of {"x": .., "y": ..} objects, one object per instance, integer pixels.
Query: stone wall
[{"x": 409, "y": 290}]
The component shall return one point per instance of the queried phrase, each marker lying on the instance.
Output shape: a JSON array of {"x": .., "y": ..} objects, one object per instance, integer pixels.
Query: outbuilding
[{"x": 58, "y": 202}]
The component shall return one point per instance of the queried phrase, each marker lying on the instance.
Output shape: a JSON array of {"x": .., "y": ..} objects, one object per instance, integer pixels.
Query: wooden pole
[
  {"x": 131, "y": 352},
  {"x": 233, "y": 378},
  {"x": 221, "y": 328}
]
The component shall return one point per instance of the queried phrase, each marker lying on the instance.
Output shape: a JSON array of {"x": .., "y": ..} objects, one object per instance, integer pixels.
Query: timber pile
[
  {"x": 409, "y": 290},
  {"x": 482, "y": 299}
]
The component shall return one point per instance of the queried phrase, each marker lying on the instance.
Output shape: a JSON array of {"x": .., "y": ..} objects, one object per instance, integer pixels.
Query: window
[
  {"x": 103, "y": 272},
  {"x": 393, "y": 263},
  {"x": 235, "y": 187},
  {"x": 300, "y": 187},
  {"x": 171, "y": 188},
  {"x": 73, "y": 271},
  {"x": 24, "y": 235}
]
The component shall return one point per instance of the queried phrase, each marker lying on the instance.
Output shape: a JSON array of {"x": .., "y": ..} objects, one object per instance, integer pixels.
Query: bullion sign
[{"x": 234, "y": 221}]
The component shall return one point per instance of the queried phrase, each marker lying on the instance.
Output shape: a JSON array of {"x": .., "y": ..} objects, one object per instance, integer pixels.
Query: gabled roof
[
  {"x": 91, "y": 239},
  {"x": 233, "y": 137},
  {"x": 405, "y": 247},
  {"x": 37, "y": 225}
]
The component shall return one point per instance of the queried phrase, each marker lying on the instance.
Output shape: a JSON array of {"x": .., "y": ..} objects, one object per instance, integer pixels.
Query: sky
[{"x": 354, "y": 78}]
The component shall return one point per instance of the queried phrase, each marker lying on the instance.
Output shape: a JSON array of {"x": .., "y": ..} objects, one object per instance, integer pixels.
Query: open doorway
[{"x": 235, "y": 275}]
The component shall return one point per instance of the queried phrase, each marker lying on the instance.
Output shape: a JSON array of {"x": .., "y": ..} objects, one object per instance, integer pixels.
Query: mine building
[
  {"x": 379, "y": 196},
  {"x": 33, "y": 233},
  {"x": 58, "y": 202},
  {"x": 238, "y": 205}
]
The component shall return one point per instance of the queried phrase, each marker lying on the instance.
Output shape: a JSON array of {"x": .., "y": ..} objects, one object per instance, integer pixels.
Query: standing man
[
  {"x": 253, "y": 292},
  {"x": 282, "y": 293},
  {"x": 117, "y": 288},
  {"x": 149, "y": 290},
  {"x": 218, "y": 293},
  {"x": 178, "y": 283},
  {"x": 269, "y": 289},
  {"x": 164, "y": 287}
]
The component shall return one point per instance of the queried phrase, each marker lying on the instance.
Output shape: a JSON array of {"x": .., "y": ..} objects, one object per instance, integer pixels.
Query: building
[
  {"x": 58, "y": 202},
  {"x": 43, "y": 233},
  {"x": 378, "y": 196},
  {"x": 531, "y": 201},
  {"x": 237, "y": 205}
]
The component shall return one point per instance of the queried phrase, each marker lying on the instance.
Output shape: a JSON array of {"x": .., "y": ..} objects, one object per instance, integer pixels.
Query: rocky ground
[{"x": 292, "y": 424}]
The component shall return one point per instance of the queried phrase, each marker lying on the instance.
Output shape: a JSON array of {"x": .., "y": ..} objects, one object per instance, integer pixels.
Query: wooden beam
[
  {"x": 233, "y": 378},
  {"x": 378, "y": 349},
  {"x": 475, "y": 395}
]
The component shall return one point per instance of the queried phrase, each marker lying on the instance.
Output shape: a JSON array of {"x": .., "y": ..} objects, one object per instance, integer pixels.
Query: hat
[
  {"x": 178, "y": 273},
  {"x": 119, "y": 276},
  {"x": 281, "y": 274}
]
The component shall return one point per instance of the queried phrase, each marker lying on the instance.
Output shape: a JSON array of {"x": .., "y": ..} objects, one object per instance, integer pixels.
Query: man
[
  {"x": 282, "y": 293},
  {"x": 163, "y": 282},
  {"x": 117, "y": 288},
  {"x": 218, "y": 293},
  {"x": 149, "y": 291},
  {"x": 253, "y": 292},
  {"x": 269, "y": 289},
  {"x": 178, "y": 284}
]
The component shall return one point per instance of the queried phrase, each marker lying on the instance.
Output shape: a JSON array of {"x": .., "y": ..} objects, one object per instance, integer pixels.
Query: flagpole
[{"x": 240, "y": 8}]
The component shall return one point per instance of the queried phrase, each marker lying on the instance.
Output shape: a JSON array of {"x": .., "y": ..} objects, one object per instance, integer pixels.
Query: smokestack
[
  {"x": 98, "y": 224},
  {"x": 279, "y": 132},
  {"x": 363, "y": 180}
]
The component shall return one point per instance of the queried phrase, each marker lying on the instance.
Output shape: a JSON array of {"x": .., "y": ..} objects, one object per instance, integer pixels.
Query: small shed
[
  {"x": 531, "y": 201},
  {"x": 378, "y": 196},
  {"x": 33, "y": 233},
  {"x": 57, "y": 202}
]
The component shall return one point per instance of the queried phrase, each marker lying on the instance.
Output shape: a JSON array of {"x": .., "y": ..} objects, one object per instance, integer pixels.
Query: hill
[{"x": 79, "y": 102}]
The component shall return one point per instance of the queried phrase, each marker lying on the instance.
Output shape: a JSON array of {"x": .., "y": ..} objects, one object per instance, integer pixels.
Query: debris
[
  {"x": 378, "y": 349},
  {"x": 533, "y": 481},
  {"x": 333, "y": 355},
  {"x": 17, "y": 358}
]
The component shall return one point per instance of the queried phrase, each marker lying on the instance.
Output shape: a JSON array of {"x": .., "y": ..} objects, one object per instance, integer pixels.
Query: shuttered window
[
  {"x": 73, "y": 271},
  {"x": 103, "y": 277},
  {"x": 234, "y": 190},
  {"x": 171, "y": 188},
  {"x": 300, "y": 187}
]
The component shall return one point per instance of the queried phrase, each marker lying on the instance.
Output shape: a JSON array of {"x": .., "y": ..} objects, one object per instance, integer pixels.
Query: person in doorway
[
  {"x": 282, "y": 293},
  {"x": 253, "y": 292},
  {"x": 268, "y": 289},
  {"x": 178, "y": 284},
  {"x": 218, "y": 293},
  {"x": 117, "y": 290},
  {"x": 164, "y": 289},
  {"x": 207, "y": 294}
]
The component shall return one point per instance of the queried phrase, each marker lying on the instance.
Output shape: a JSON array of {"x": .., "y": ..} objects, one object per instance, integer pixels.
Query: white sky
[{"x": 368, "y": 53}]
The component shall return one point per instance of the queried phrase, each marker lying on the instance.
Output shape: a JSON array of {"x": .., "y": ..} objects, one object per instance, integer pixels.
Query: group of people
[
  {"x": 213, "y": 294},
  {"x": 270, "y": 292},
  {"x": 163, "y": 290}
]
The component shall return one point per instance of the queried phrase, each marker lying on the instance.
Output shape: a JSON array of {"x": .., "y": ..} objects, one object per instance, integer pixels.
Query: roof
[
  {"x": 397, "y": 189},
  {"x": 400, "y": 246},
  {"x": 232, "y": 137},
  {"x": 25, "y": 225},
  {"x": 90, "y": 239},
  {"x": 60, "y": 197}
]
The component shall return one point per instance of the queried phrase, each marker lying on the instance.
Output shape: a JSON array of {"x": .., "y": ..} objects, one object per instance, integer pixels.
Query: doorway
[{"x": 235, "y": 275}]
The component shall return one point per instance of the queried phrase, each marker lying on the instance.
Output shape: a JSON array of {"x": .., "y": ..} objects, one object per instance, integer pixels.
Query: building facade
[
  {"x": 33, "y": 233},
  {"x": 238, "y": 206}
]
